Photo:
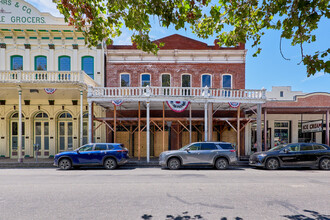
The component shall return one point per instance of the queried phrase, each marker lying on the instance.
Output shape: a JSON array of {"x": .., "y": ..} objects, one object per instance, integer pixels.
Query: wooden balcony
[
  {"x": 192, "y": 94},
  {"x": 70, "y": 77}
]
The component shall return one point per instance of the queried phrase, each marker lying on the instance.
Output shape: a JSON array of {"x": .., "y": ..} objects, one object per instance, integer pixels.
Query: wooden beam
[
  {"x": 238, "y": 131},
  {"x": 231, "y": 126},
  {"x": 183, "y": 125}
]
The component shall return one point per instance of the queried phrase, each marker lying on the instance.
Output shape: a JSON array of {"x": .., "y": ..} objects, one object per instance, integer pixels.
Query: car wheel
[
  {"x": 174, "y": 164},
  {"x": 65, "y": 164},
  {"x": 324, "y": 164},
  {"x": 272, "y": 164},
  {"x": 110, "y": 164},
  {"x": 221, "y": 164}
]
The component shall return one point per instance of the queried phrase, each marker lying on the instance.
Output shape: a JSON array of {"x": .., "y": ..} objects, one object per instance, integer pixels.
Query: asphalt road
[{"x": 152, "y": 193}]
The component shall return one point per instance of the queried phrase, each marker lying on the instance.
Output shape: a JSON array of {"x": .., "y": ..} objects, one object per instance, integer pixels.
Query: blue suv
[{"x": 109, "y": 155}]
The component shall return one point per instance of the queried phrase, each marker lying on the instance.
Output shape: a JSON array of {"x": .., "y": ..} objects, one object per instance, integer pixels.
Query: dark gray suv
[{"x": 218, "y": 154}]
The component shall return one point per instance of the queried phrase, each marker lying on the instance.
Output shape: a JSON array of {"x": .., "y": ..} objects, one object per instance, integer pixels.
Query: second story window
[
  {"x": 186, "y": 80},
  {"x": 226, "y": 82},
  {"x": 40, "y": 63},
  {"x": 145, "y": 80},
  {"x": 206, "y": 80},
  {"x": 64, "y": 63},
  {"x": 87, "y": 65},
  {"x": 166, "y": 80},
  {"x": 16, "y": 62},
  {"x": 124, "y": 80},
  {"x": 281, "y": 93}
]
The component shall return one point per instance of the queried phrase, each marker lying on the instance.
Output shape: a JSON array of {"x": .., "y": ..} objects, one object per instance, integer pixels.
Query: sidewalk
[{"x": 48, "y": 163}]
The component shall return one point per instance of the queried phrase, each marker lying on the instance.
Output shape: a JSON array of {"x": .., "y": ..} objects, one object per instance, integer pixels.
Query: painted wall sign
[
  {"x": 21, "y": 12},
  {"x": 312, "y": 126}
]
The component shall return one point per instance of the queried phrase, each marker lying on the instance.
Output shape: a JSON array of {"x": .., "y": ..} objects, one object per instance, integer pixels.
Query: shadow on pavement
[
  {"x": 183, "y": 216},
  {"x": 314, "y": 214}
]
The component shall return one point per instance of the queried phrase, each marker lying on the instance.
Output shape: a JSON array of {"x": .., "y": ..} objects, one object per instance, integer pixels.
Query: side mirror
[
  {"x": 286, "y": 151},
  {"x": 188, "y": 149},
  {"x": 78, "y": 151}
]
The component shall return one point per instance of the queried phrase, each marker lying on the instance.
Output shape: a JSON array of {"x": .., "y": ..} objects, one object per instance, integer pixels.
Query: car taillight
[
  {"x": 121, "y": 150},
  {"x": 232, "y": 150}
]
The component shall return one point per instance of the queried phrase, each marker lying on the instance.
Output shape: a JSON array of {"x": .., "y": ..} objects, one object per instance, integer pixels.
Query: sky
[{"x": 264, "y": 71}]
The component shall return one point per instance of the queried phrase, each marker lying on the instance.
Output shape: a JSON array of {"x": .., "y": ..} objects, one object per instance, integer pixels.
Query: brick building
[{"x": 210, "y": 78}]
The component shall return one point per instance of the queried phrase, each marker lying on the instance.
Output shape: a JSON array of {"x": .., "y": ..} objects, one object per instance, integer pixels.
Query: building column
[
  {"x": 115, "y": 123},
  {"x": 81, "y": 117},
  {"x": 327, "y": 128},
  {"x": 238, "y": 133},
  {"x": 259, "y": 133},
  {"x": 20, "y": 158},
  {"x": 27, "y": 60},
  {"x": 90, "y": 122},
  {"x": 148, "y": 132},
  {"x": 205, "y": 121},
  {"x": 3, "y": 59},
  {"x": 51, "y": 64},
  {"x": 265, "y": 129},
  {"x": 75, "y": 60}
]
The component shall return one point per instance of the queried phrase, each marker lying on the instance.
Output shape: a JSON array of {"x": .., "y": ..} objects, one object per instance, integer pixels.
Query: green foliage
[{"x": 247, "y": 20}]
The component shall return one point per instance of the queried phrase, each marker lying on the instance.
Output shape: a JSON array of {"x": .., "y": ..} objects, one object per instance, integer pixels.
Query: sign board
[
  {"x": 312, "y": 126},
  {"x": 21, "y": 12}
]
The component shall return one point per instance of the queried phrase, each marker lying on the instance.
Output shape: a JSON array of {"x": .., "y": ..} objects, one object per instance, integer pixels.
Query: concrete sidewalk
[{"x": 48, "y": 163}]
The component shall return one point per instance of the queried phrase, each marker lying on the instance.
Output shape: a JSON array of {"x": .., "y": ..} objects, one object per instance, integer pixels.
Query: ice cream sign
[
  {"x": 312, "y": 126},
  {"x": 20, "y": 12}
]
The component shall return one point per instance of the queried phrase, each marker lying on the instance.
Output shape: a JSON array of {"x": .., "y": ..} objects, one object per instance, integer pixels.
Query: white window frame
[
  {"x": 210, "y": 79},
  {"x": 120, "y": 79},
  {"x": 190, "y": 79},
  {"x": 231, "y": 81}
]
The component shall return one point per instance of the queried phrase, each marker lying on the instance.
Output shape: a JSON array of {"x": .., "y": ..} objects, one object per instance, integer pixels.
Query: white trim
[
  {"x": 130, "y": 82},
  {"x": 141, "y": 78},
  {"x": 190, "y": 79},
  {"x": 231, "y": 80},
  {"x": 161, "y": 79},
  {"x": 211, "y": 84}
]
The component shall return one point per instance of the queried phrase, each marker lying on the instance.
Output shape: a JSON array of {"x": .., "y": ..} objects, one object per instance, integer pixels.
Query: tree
[{"x": 247, "y": 20}]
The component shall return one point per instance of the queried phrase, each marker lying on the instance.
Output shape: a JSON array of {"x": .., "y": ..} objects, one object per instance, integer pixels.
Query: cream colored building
[{"x": 45, "y": 71}]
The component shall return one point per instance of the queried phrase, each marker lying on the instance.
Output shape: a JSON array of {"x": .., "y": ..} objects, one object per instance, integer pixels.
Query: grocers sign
[
  {"x": 20, "y": 12},
  {"x": 312, "y": 126}
]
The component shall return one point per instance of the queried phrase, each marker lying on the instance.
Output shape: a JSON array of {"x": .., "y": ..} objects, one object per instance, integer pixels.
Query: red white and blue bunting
[
  {"x": 234, "y": 104},
  {"x": 178, "y": 106},
  {"x": 117, "y": 102},
  {"x": 49, "y": 90}
]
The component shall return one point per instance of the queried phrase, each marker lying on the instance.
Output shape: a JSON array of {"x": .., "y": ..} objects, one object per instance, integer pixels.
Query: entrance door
[
  {"x": 13, "y": 146},
  {"x": 41, "y": 134},
  {"x": 65, "y": 132}
]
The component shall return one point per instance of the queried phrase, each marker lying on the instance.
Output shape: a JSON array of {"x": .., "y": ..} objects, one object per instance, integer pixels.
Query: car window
[
  {"x": 195, "y": 147},
  {"x": 306, "y": 147},
  {"x": 88, "y": 147},
  {"x": 318, "y": 147},
  {"x": 226, "y": 146},
  {"x": 293, "y": 148},
  {"x": 208, "y": 146},
  {"x": 101, "y": 147},
  {"x": 110, "y": 147}
]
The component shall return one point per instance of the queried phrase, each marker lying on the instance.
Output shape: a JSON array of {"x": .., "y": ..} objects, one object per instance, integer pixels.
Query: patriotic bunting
[
  {"x": 234, "y": 104},
  {"x": 117, "y": 102},
  {"x": 49, "y": 90},
  {"x": 178, "y": 106}
]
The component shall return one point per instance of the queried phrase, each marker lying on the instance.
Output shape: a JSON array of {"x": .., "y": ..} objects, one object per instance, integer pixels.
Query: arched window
[
  {"x": 41, "y": 133},
  {"x": 16, "y": 62},
  {"x": 145, "y": 80},
  {"x": 125, "y": 80},
  {"x": 87, "y": 65},
  {"x": 64, "y": 63},
  {"x": 166, "y": 80},
  {"x": 65, "y": 131},
  {"x": 206, "y": 80},
  {"x": 226, "y": 81},
  {"x": 14, "y": 120},
  {"x": 185, "y": 80},
  {"x": 40, "y": 63}
]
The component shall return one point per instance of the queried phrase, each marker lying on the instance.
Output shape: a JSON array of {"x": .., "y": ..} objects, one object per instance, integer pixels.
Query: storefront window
[
  {"x": 305, "y": 137},
  {"x": 281, "y": 132}
]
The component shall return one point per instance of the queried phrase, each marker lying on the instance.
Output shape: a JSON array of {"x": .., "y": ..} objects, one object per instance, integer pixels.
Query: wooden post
[
  {"x": 163, "y": 126},
  {"x": 327, "y": 128},
  {"x": 190, "y": 123},
  {"x": 115, "y": 123},
  {"x": 238, "y": 131},
  {"x": 92, "y": 122},
  {"x": 139, "y": 136},
  {"x": 205, "y": 121},
  {"x": 20, "y": 144},
  {"x": 259, "y": 138},
  {"x": 148, "y": 132}
]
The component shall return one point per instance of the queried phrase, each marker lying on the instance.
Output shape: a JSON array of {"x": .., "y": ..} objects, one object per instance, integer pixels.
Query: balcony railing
[
  {"x": 79, "y": 77},
  {"x": 176, "y": 93}
]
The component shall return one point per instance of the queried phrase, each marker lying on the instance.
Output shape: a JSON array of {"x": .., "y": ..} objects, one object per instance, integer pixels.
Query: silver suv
[{"x": 218, "y": 154}]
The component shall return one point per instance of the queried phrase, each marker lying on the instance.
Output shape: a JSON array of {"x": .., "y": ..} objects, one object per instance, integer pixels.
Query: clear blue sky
[{"x": 267, "y": 70}]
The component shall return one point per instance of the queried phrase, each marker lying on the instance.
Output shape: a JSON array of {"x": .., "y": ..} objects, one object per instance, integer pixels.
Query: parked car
[
  {"x": 109, "y": 155},
  {"x": 295, "y": 154},
  {"x": 218, "y": 154}
]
